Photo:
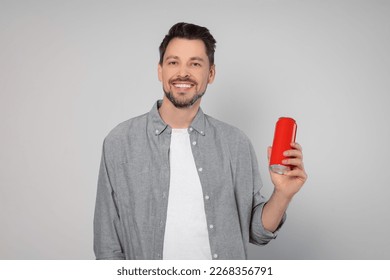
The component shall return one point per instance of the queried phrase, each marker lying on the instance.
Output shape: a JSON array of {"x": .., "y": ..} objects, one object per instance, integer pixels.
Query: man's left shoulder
[{"x": 230, "y": 132}]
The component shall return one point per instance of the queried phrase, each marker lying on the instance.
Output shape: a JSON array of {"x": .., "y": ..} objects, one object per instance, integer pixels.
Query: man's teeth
[{"x": 183, "y": 85}]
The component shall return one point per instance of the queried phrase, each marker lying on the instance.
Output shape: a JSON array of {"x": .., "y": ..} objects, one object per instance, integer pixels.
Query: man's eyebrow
[
  {"x": 192, "y": 58},
  {"x": 197, "y": 58},
  {"x": 172, "y": 57}
]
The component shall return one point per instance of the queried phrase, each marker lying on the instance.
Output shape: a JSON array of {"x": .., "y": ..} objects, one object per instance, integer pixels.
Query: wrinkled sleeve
[
  {"x": 258, "y": 234},
  {"x": 106, "y": 220}
]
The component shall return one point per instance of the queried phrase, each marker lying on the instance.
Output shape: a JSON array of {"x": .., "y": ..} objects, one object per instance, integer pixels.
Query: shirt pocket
[{"x": 134, "y": 184}]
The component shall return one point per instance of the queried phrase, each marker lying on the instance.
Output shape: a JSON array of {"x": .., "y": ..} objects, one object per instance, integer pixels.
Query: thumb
[{"x": 269, "y": 150}]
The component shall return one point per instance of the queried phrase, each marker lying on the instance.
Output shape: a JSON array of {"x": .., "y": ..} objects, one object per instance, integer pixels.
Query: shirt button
[
  {"x": 202, "y": 132},
  {"x": 215, "y": 256},
  {"x": 191, "y": 129},
  {"x": 200, "y": 169},
  {"x": 194, "y": 143},
  {"x": 157, "y": 131},
  {"x": 211, "y": 226},
  {"x": 164, "y": 195},
  {"x": 207, "y": 197}
]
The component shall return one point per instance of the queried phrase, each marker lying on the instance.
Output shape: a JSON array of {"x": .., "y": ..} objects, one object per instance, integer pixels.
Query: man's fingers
[
  {"x": 293, "y": 153},
  {"x": 299, "y": 173},
  {"x": 296, "y": 145},
  {"x": 293, "y": 161}
]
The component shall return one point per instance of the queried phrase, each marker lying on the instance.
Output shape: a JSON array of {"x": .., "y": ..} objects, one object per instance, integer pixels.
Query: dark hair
[{"x": 192, "y": 32}]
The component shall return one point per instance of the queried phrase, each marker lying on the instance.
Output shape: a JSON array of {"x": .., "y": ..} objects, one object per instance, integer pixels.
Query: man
[{"x": 178, "y": 184}]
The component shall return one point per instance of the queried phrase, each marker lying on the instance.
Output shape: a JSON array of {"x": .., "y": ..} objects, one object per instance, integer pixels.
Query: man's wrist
[{"x": 282, "y": 197}]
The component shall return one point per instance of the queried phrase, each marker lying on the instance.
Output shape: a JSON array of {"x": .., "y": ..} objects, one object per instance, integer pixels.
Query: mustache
[{"x": 183, "y": 80}]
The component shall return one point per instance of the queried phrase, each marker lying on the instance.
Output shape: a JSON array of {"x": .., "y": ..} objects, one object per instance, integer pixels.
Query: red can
[{"x": 285, "y": 132}]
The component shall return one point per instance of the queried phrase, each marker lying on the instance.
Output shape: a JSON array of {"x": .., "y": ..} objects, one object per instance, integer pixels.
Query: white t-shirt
[{"x": 186, "y": 234}]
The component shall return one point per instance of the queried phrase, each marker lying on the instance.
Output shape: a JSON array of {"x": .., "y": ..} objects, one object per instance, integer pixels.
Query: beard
[
  {"x": 179, "y": 103},
  {"x": 182, "y": 101}
]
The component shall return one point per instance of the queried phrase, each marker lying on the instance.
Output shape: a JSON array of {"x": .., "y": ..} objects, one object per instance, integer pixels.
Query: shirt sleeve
[
  {"x": 258, "y": 234},
  {"x": 106, "y": 220}
]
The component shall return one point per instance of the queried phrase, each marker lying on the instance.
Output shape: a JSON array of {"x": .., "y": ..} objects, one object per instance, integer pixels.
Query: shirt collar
[
  {"x": 198, "y": 123},
  {"x": 159, "y": 126}
]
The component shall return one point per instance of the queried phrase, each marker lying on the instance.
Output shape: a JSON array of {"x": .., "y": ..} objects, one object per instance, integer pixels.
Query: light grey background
[{"x": 71, "y": 70}]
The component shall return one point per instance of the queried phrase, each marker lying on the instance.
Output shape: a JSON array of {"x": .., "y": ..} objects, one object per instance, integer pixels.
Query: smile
[{"x": 183, "y": 85}]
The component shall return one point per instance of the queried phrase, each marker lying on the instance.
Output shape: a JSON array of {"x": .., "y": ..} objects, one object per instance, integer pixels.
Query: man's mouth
[{"x": 182, "y": 85}]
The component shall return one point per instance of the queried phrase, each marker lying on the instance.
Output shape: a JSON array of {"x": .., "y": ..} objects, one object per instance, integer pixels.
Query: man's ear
[
  {"x": 159, "y": 72},
  {"x": 212, "y": 74}
]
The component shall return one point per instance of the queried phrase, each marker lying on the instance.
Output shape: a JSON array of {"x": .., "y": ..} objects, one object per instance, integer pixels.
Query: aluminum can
[{"x": 285, "y": 132}]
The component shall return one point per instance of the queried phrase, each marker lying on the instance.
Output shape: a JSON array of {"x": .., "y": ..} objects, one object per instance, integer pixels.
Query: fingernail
[
  {"x": 285, "y": 161},
  {"x": 285, "y": 153}
]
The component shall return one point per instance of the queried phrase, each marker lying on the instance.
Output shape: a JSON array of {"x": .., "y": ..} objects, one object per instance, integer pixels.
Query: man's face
[{"x": 185, "y": 72}]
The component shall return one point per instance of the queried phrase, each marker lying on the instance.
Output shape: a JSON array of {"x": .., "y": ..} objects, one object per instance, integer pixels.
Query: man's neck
[{"x": 178, "y": 117}]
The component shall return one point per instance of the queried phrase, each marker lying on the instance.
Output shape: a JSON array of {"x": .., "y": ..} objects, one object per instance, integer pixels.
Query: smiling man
[
  {"x": 176, "y": 183},
  {"x": 185, "y": 72}
]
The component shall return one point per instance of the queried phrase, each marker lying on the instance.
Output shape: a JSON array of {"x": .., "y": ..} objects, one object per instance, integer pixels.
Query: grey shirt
[{"x": 133, "y": 188}]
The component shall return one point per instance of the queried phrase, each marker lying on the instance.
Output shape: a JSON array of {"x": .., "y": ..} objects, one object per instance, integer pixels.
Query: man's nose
[{"x": 183, "y": 72}]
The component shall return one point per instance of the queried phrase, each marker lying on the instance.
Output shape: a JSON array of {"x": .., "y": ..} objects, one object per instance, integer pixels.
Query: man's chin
[{"x": 182, "y": 103}]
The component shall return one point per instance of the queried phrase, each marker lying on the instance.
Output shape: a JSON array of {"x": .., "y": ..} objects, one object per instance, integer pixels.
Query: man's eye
[
  {"x": 196, "y": 64},
  {"x": 172, "y": 63}
]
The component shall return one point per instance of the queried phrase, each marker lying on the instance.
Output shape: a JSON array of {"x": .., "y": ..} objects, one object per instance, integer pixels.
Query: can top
[{"x": 286, "y": 119}]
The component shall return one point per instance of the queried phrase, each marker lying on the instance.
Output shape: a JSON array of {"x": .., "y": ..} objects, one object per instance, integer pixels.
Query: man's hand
[{"x": 288, "y": 184}]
